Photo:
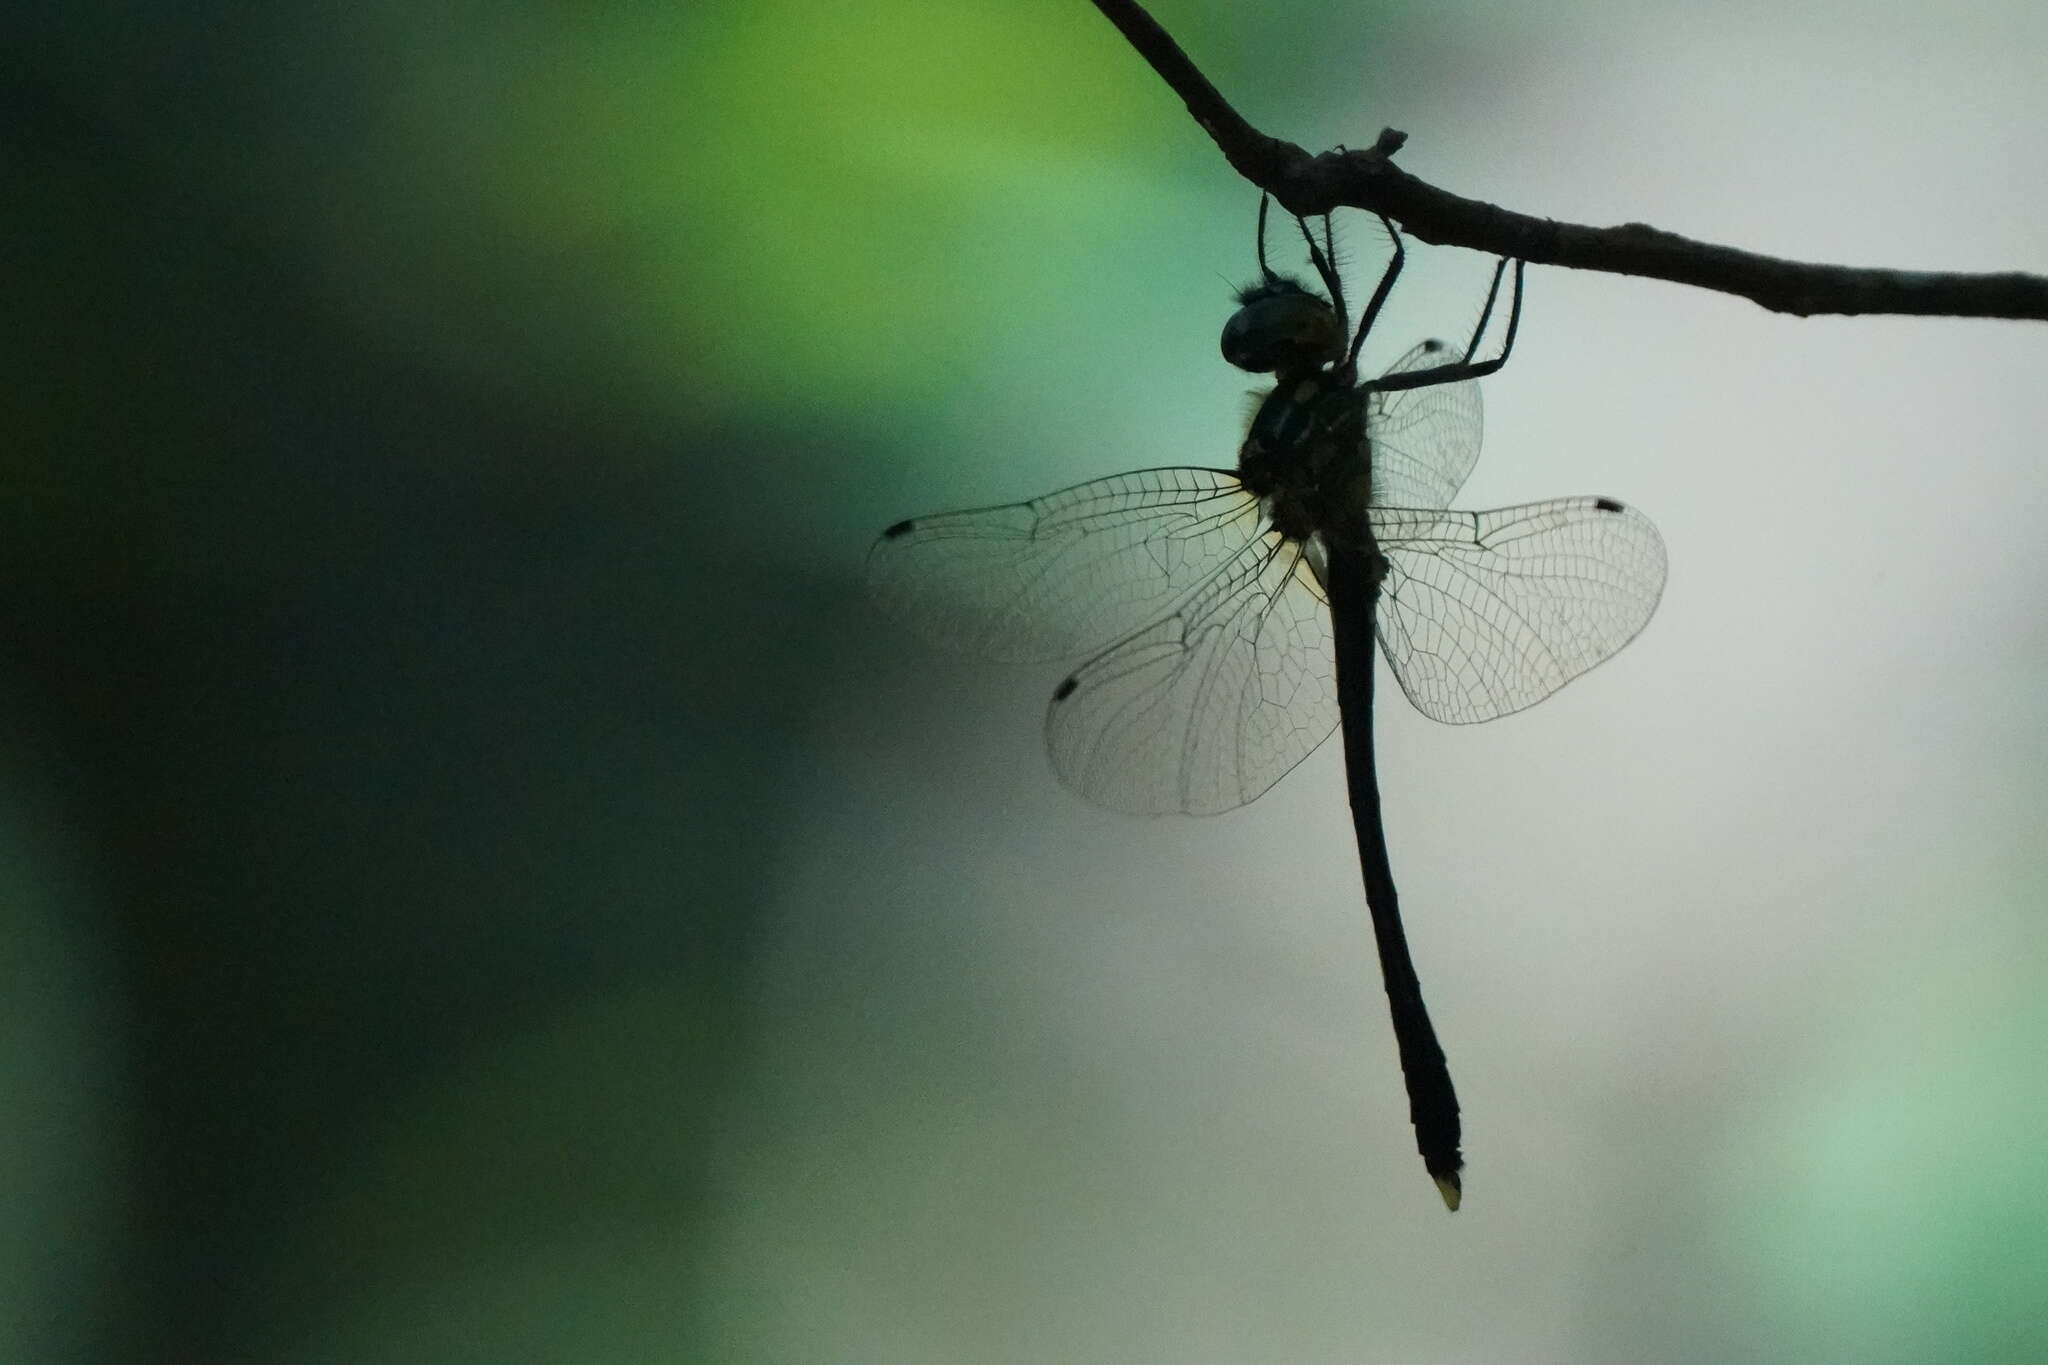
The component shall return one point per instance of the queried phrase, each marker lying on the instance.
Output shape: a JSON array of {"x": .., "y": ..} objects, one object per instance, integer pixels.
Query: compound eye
[{"x": 1281, "y": 332}]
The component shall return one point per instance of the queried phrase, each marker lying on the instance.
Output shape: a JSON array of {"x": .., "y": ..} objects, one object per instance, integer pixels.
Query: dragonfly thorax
[{"x": 1307, "y": 456}]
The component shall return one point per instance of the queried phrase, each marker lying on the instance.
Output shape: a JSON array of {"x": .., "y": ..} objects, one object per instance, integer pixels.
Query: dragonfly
[{"x": 1228, "y": 618}]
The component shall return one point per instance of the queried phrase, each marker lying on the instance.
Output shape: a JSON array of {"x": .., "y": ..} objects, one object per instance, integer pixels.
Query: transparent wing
[
  {"x": 1484, "y": 613},
  {"x": 1067, "y": 573},
  {"x": 1207, "y": 708},
  {"x": 1424, "y": 441}
]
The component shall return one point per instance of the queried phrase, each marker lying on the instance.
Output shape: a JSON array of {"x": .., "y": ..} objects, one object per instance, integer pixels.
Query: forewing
[
  {"x": 1424, "y": 441},
  {"x": 1484, "y": 613},
  {"x": 1207, "y": 708},
  {"x": 1065, "y": 574}
]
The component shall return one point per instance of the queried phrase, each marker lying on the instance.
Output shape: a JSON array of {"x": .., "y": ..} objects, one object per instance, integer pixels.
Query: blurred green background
[{"x": 476, "y": 884}]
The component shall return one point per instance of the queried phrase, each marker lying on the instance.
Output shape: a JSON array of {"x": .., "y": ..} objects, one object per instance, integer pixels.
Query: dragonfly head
[{"x": 1281, "y": 327}]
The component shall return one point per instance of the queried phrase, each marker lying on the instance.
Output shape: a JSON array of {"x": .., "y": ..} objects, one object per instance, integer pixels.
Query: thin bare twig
[{"x": 1309, "y": 184}]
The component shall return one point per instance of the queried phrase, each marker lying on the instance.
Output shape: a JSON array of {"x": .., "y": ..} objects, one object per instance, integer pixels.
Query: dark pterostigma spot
[
  {"x": 1065, "y": 689},
  {"x": 1607, "y": 504},
  {"x": 898, "y": 529}
]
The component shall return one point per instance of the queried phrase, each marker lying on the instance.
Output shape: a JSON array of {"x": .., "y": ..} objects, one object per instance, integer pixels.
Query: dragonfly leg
[
  {"x": 1466, "y": 368},
  {"x": 1380, "y": 292},
  {"x": 1486, "y": 313},
  {"x": 1323, "y": 257},
  {"x": 1265, "y": 271}
]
